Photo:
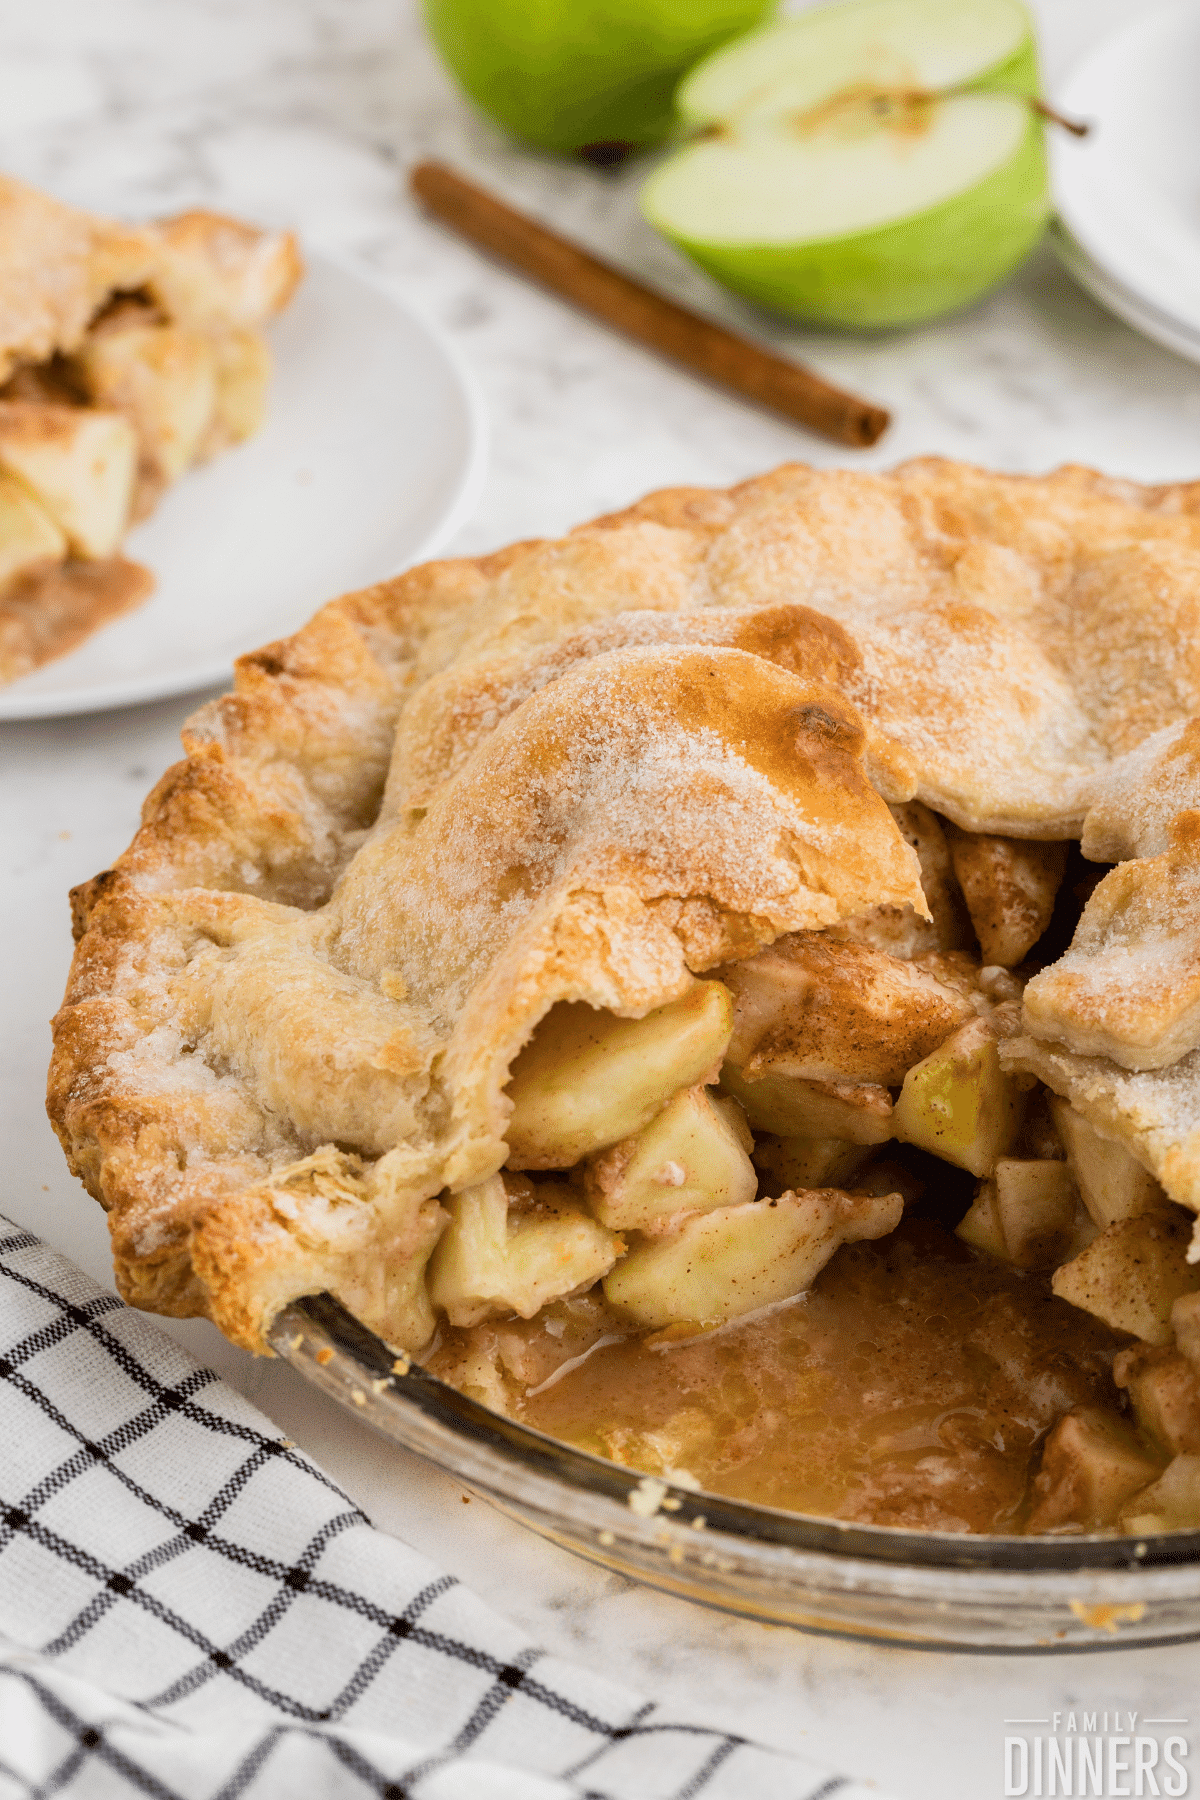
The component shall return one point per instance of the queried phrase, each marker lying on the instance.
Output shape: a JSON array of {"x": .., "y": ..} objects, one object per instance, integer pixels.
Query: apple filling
[
  {"x": 804, "y": 1234},
  {"x": 89, "y": 443}
]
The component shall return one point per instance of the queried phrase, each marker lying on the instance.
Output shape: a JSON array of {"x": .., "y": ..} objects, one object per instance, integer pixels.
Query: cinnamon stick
[{"x": 650, "y": 318}]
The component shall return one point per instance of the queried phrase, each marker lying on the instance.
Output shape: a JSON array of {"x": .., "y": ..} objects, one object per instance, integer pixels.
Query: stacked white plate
[{"x": 1128, "y": 194}]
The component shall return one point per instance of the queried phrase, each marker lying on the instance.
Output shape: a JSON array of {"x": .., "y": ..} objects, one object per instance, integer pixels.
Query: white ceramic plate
[
  {"x": 1128, "y": 194},
  {"x": 372, "y": 456},
  {"x": 1127, "y": 305}
]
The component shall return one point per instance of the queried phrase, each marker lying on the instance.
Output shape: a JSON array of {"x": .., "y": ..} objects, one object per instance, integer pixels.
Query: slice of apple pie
[
  {"x": 127, "y": 354},
  {"x": 570, "y": 957}
]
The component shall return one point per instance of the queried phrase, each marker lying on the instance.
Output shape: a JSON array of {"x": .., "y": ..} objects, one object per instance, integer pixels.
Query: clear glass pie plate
[{"x": 932, "y": 1588}]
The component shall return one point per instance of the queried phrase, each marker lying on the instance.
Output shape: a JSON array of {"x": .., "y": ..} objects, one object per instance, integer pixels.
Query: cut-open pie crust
[
  {"x": 791, "y": 774},
  {"x": 127, "y": 354}
]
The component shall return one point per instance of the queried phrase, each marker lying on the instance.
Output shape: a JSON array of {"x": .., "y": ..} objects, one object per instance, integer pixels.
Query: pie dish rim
[{"x": 925, "y": 1589}]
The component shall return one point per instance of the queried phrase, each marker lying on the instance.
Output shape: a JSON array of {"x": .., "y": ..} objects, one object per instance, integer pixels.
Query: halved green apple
[{"x": 871, "y": 163}]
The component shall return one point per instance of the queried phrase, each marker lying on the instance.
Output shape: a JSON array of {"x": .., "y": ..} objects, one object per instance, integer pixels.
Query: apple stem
[{"x": 1077, "y": 127}]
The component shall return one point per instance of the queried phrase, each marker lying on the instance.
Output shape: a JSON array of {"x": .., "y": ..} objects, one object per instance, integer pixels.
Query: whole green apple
[
  {"x": 595, "y": 76},
  {"x": 866, "y": 164}
]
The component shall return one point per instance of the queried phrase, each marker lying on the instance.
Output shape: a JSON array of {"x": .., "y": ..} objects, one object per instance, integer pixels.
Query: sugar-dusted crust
[
  {"x": 1142, "y": 801},
  {"x": 1129, "y": 986},
  {"x": 589, "y": 770},
  {"x": 59, "y": 265},
  {"x": 57, "y": 268},
  {"x": 1155, "y": 1113}
]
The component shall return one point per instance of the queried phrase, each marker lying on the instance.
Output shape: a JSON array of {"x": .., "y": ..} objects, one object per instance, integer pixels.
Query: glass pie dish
[{"x": 920, "y": 1588}]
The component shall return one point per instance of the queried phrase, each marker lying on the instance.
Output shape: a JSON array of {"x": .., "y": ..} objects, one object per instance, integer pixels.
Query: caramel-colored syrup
[{"x": 911, "y": 1387}]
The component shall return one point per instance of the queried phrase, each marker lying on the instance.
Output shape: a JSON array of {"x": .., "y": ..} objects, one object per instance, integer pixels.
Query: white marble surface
[{"x": 309, "y": 112}]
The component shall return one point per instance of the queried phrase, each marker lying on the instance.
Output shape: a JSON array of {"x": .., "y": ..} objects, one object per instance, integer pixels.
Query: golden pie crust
[
  {"x": 60, "y": 265},
  {"x": 591, "y": 770}
]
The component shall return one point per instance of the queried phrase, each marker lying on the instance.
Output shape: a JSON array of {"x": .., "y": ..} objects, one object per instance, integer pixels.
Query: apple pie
[
  {"x": 127, "y": 355},
  {"x": 721, "y": 987}
]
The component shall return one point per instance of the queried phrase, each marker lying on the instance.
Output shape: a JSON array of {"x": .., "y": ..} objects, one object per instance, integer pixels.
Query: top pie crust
[{"x": 588, "y": 770}]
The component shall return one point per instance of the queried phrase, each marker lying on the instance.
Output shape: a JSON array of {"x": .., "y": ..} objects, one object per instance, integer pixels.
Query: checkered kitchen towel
[{"x": 191, "y": 1610}]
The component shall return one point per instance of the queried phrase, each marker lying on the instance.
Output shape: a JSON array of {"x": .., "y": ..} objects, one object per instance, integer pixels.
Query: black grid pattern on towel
[{"x": 191, "y": 1610}]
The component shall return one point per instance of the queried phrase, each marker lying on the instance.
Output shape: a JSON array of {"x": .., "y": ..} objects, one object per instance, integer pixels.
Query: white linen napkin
[{"x": 190, "y": 1609}]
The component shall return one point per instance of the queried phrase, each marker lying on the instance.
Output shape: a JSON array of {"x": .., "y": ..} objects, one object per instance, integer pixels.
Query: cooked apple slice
[
  {"x": 1133, "y": 1273},
  {"x": 1040, "y": 1212},
  {"x": 470, "y": 1362},
  {"x": 587, "y": 1079},
  {"x": 816, "y": 1009},
  {"x": 721, "y": 1264},
  {"x": 1091, "y": 1466},
  {"x": 852, "y": 165},
  {"x": 163, "y": 379},
  {"x": 405, "y": 1289},
  {"x": 28, "y": 535},
  {"x": 1112, "y": 1184},
  {"x": 1172, "y": 1503},
  {"x": 806, "y": 1162},
  {"x": 496, "y": 1257},
  {"x": 959, "y": 1103},
  {"x": 982, "y": 1226},
  {"x": 861, "y": 1113},
  {"x": 1010, "y": 886},
  {"x": 79, "y": 463},
  {"x": 1165, "y": 1392},
  {"x": 1185, "y": 1323},
  {"x": 691, "y": 1157},
  {"x": 243, "y": 376},
  {"x": 1027, "y": 1213},
  {"x": 950, "y": 928}
]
